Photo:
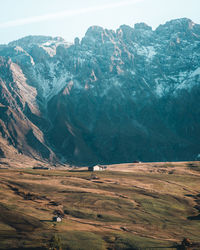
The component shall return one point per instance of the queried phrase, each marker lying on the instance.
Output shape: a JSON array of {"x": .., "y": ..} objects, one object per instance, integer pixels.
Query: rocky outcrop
[{"x": 114, "y": 96}]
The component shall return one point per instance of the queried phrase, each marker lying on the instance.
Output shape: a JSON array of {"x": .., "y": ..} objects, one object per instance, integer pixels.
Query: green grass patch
[
  {"x": 79, "y": 240},
  {"x": 89, "y": 214}
]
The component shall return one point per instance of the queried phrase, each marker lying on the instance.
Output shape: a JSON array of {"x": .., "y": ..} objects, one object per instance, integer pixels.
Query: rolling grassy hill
[{"x": 129, "y": 206}]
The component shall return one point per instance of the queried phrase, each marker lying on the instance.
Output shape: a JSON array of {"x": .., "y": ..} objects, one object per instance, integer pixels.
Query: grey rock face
[{"x": 115, "y": 96}]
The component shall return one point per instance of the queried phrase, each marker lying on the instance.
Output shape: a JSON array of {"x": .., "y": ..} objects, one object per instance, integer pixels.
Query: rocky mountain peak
[
  {"x": 76, "y": 41},
  {"x": 115, "y": 96},
  {"x": 176, "y": 25},
  {"x": 142, "y": 26},
  {"x": 125, "y": 31},
  {"x": 35, "y": 40},
  {"x": 94, "y": 30},
  {"x": 184, "y": 29},
  {"x": 93, "y": 36}
]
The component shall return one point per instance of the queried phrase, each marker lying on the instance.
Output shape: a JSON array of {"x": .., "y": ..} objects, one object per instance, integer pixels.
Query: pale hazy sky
[{"x": 72, "y": 18}]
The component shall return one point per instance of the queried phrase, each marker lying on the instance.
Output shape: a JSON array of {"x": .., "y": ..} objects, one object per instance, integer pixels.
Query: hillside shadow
[
  {"x": 29, "y": 248},
  {"x": 46, "y": 221},
  {"x": 197, "y": 217},
  {"x": 78, "y": 171}
]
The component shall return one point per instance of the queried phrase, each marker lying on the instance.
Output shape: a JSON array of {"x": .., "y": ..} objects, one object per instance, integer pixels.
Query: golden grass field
[{"x": 128, "y": 206}]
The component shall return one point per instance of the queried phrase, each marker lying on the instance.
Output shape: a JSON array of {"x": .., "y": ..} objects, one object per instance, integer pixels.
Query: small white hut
[
  {"x": 97, "y": 168},
  {"x": 57, "y": 219}
]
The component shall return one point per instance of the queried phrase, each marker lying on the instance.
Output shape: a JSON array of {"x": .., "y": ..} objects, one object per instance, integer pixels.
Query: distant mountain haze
[{"x": 112, "y": 97}]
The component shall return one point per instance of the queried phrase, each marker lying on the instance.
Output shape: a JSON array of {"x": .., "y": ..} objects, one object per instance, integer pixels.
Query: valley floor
[{"x": 128, "y": 206}]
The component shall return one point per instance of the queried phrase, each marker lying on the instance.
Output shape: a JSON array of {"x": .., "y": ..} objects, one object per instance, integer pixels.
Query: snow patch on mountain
[
  {"x": 196, "y": 72},
  {"x": 159, "y": 90},
  {"x": 52, "y": 84},
  {"x": 51, "y": 46},
  {"x": 191, "y": 79},
  {"x": 182, "y": 75},
  {"x": 20, "y": 50},
  {"x": 149, "y": 51},
  {"x": 51, "y": 51}
]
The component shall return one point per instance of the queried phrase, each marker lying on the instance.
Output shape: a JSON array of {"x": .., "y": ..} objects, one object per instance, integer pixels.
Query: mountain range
[{"x": 112, "y": 97}]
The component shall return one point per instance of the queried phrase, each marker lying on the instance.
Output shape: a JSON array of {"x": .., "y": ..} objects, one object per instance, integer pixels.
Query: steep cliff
[{"x": 114, "y": 96}]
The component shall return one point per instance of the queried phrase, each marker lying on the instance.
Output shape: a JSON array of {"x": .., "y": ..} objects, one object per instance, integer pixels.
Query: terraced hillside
[{"x": 129, "y": 206}]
